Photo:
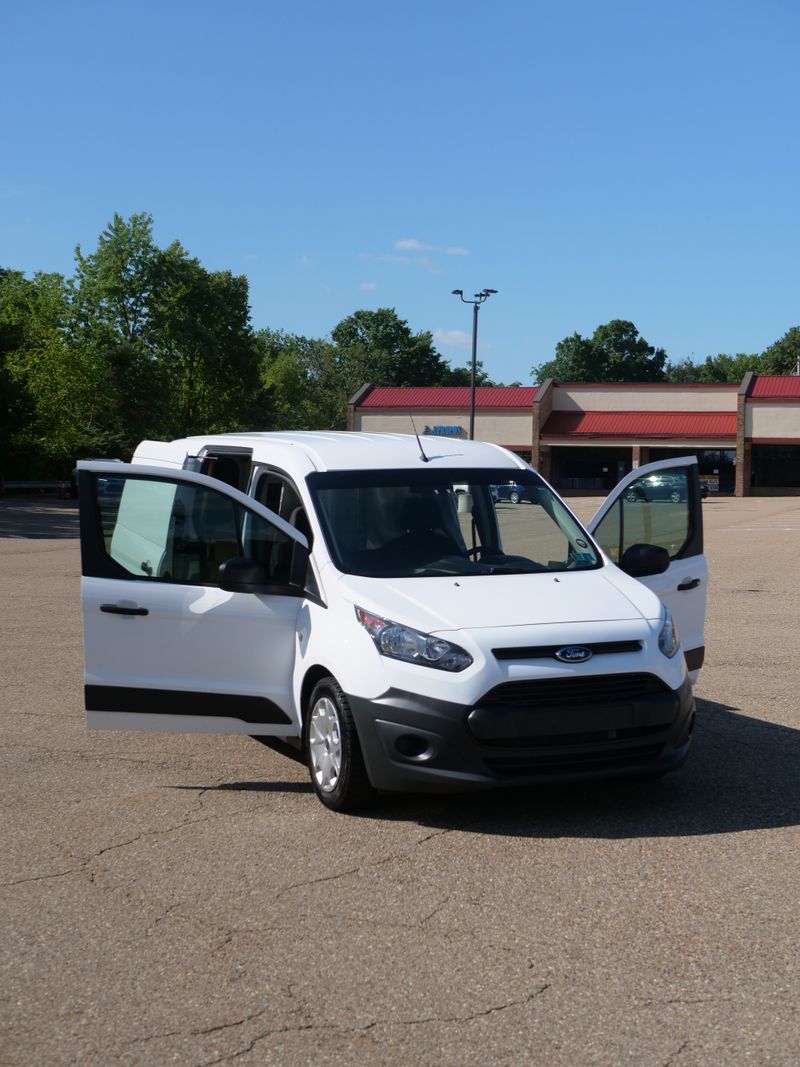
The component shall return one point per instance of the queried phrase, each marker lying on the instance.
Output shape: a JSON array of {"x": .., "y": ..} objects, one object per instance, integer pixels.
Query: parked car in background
[
  {"x": 661, "y": 486},
  {"x": 511, "y": 491}
]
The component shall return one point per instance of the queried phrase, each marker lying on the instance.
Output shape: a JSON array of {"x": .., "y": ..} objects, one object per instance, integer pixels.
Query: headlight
[
  {"x": 401, "y": 642},
  {"x": 669, "y": 639}
]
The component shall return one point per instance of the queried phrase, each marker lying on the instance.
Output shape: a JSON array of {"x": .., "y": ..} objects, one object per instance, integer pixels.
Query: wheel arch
[{"x": 313, "y": 675}]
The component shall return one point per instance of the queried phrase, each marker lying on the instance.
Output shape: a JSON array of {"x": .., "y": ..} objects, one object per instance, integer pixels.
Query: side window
[
  {"x": 182, "y": 533},
  {"x": 269, "y": 545},
  {"x": 277, "y": 493},
  {"x": 653, "y": 510}
]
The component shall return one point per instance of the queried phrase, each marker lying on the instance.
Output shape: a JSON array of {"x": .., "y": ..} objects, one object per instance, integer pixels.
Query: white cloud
[
  {"x": 411, "y": 244},
  {"x": 401, "y": 261},
  {"x": 452, "y": 338},
  {"x": 368, "y": 285},
  {"x": 305, "y": 261}
]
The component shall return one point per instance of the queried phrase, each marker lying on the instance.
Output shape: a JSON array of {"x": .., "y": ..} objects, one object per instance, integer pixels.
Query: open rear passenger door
[{"x": 660, "y": 504}]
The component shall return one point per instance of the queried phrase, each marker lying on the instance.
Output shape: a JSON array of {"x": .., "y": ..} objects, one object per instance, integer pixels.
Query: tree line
[
  {"x": 145, "y": 342},
  {"x": 617, "y": 353}
]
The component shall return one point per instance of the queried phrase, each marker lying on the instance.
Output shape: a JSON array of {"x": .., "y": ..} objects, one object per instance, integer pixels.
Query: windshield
[{"x": 422, "y": 523}]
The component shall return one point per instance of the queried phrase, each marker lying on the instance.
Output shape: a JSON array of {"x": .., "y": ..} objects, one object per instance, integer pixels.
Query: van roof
[{"x": 341, "y": 450}]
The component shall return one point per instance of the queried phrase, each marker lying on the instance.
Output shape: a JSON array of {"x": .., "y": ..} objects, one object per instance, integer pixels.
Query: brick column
[
  {"x": 541, "y": 458},
  {"x": 353, "y": 403},
  {"x": 744, "y": 456}
]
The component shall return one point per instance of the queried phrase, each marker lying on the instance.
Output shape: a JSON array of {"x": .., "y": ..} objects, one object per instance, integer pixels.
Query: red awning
[
  {"x": 456, "y": 397},
  {"x": 641, "y": 424},
  {"x": 775, "y": 387}
]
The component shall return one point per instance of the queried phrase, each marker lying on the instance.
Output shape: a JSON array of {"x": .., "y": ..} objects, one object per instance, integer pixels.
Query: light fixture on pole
[{"x": 480, "y": 297}]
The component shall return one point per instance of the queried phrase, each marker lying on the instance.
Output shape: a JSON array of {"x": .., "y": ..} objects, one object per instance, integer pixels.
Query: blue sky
[{"x": 588, "y": 160}]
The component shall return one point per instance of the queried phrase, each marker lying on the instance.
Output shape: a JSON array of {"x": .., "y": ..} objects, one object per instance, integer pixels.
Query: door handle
[
  {"x": 120, "y": 609},
  {"x": 690, "y": 583}
]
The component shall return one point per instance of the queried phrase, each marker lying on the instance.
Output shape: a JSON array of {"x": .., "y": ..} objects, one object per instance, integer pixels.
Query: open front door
[
  {"x": 660, "y": 504},
  {"x": 166, "y": 648}
]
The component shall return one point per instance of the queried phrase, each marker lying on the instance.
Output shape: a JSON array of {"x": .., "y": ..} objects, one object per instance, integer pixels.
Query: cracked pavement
[{"x": 185, "y": 898}]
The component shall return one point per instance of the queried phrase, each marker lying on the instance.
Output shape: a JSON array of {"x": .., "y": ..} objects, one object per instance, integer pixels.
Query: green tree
[
  {"x": 614, "y": 353},
  {"x": 379, "y": 347},
  {"x": 207, "y": 347},
  {"x": 463, "y": 375},
  {"x": 783, "y": 355},
  {"x": 685, "y": 370},
  {"x": 299, "y": 378},
  {"x": 174, "y": 339},
  {"x": 59, "y": 383},
  {"x": 719, "y": 368}
]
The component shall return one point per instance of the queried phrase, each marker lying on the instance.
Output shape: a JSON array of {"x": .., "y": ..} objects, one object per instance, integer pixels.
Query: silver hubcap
[{"x": 325, "y": 744}]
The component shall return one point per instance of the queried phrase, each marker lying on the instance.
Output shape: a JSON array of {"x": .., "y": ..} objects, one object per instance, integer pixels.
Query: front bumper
[{"x": 414, "y": 744}]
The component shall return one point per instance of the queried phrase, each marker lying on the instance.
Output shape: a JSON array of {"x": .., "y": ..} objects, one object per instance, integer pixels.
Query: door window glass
[
  {"x": 653, "y": 510},
  {"x": 183, "y": 533}
]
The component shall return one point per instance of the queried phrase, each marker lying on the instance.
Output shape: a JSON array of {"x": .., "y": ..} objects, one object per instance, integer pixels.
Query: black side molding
[{"x": 183, "y": 702}]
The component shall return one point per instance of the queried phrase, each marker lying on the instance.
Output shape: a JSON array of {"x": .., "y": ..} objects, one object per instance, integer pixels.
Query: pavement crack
[
  {"x": 44, "y": 877},
  {"x": 674, "y": 1056},
  {"x": 360, "y": 866},
  {"x": 426, "y": 1021},
  {"x": 229, "y": 1026}
]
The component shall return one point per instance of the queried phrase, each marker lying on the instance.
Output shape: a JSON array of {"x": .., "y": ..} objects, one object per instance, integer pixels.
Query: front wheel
[
  {"x": 335, "y": 762},
  {"x": 514, "y": 497}
]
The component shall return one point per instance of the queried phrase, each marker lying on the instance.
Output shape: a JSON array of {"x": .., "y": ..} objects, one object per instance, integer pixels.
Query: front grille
[
  {"x": 587, "y": 737},
  {"x": 560, "y": 692},
  {"x": 606, "y": 760},
  {"x": 599, "y": 648},
  {"x": 573, "y": 721}
]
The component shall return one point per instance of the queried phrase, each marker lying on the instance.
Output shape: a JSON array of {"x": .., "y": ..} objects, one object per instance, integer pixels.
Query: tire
[
  {"x": 631, "y": 496},
  {"x": 514, "y": 497},
  {"x": 675, "y": 496},
  {"x": 333, "y": 752}
]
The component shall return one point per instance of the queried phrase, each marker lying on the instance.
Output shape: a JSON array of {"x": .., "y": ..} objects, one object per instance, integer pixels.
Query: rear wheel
[
  {"x": 335, "y": 762},
  {"x": 514, "y": 496}
]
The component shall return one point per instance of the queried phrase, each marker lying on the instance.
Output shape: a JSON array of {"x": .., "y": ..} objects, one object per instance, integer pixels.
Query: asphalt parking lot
[{"x": 186, "y": 899}]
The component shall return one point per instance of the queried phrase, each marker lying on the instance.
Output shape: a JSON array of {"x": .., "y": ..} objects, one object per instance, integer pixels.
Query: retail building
[{"x": 585, "y": 436}]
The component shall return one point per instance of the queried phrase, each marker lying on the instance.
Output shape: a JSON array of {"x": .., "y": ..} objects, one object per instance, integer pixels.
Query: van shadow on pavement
[
  {"x": 741, "y": 774},
  {"x": 26, "y": 517}
]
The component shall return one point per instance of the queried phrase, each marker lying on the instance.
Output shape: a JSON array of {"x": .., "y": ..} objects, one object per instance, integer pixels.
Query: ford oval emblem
[{"x": 574, "y": 654}]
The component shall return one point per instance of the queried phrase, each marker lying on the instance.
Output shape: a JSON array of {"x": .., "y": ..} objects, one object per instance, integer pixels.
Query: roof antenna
[{"x": 422, "y": 455}]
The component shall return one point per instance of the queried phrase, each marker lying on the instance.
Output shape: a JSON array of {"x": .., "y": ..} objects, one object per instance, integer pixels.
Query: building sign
[{"x": 445, "y": 431}]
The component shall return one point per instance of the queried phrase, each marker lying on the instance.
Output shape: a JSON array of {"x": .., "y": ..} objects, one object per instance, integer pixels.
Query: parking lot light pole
[{"x": 480, "y": 297}]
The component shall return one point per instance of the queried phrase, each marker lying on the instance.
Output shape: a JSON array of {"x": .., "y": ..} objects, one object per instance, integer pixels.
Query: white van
[{"x": 369, "y": 600}]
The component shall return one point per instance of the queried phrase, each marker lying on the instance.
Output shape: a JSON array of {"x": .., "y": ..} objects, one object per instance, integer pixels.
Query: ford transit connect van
[{"x": 372, "y": 601}]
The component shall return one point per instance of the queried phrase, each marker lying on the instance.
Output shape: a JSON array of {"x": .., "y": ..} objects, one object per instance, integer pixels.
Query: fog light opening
[{"x": 413, "y": 746}]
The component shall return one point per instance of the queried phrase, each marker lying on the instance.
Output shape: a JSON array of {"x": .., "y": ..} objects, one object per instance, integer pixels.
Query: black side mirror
[
  {"x": 240, "y": 575},
  {"x": 642, "y": 560},
  {"x": 243, "y": 575}
]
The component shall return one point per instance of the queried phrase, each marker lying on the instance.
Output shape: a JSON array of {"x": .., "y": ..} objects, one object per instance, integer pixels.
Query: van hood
[{"x": 503, "y": 600}]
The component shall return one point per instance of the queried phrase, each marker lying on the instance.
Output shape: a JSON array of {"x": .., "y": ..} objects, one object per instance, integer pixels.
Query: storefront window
[
  {"x": 589, "y": 469},
  {"x": 776, "y": 466},
  {"x": 716, "y": 466}
]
